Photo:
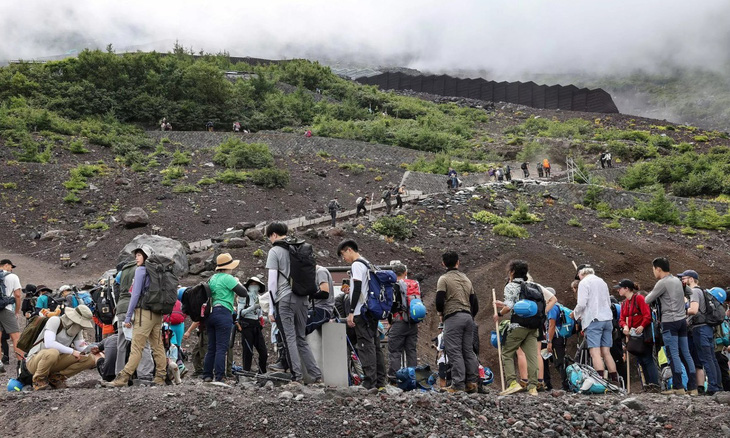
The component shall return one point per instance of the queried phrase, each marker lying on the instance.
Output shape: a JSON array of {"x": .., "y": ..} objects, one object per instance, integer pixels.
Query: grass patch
[
  {"x": 510, "y": 230},
  {"x": 186, "y": 188},
  {"x": 574, "y": 222}
]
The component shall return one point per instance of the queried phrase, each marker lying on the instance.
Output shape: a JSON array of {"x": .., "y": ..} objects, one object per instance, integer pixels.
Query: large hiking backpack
[
  {"x": 126, "y": 277},
  {"x": 85, "y": 299},
  {"x": 31, "y": 332},
  {"x": 386, "y": 194},
  {"x": 162, "y": 293},
  {"x": 197, "y": 301},
  {"x": 402, "y": 297},
  {"x": 332, "y": 206},
  {"x": 379, "y": 300},
  {"x": 531, "y": 291},
  {"x": 722, "y": 334},
  {"x": 302, "y": 266},
  {"x": 4, "y": 299},
  {"x": 582, "y": 380},
  {"x": 714, "y": 314},
  {"x": 565, "y": 325},
  {"x": 616, "y": 314},
  {"x": 104, "y": 303}
]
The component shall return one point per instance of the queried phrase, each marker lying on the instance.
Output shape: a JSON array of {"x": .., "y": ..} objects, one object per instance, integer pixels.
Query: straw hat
[
  {"x": 225, "y": 261},
  {"x": 80, "y": 315}
]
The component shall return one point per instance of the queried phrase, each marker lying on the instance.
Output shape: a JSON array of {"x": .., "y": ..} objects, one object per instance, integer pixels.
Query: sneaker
[
  {"x": 541, "y": 386},
  {"x": 278, "y": 366},
  {"x": 57, "y": 381},
  {"x": 532, "y": 391},
  {"x": 183, "y": 372},
  {"x": 197, "y": 373},
  {"x": 513, "y": 388},
  {"x": 471, "y": 388},
  {"x": 452, "y": 390},
  {"x": 159, "y": 381},
  {"x": 2, "y": 369},
  {"x": 207, "y": 379},
  {"x": 693, "y": 393},
  {"x": 6, "y": 360}
]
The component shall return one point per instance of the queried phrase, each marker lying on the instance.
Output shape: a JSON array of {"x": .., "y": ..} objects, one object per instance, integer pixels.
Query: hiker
[
  {"x": 60, "y": 350},
  {"x": 703, "y": 339},
  {"x": 209, "y": 126},
  {"x": 608, "y": 159},
  {"x": 10, "y": 305},
  {"x": 399, "y": 193},
  {"x": 442, "y": 361},
  {"x": 546, "y": 167},
  {"x": 635, "y": 320},
  {"x": 168, "y": 126},
  {"x": 524, "y": 325},
  {"x": 457, "y": 303},
  {"x": 361, "y": 201},
  {"x": 366, "y": 327},
  {"x": 249, "y": 323},
  {"x": 323, "y": 302},
  {"x": 147, "y": 325},
  {"x": 403, "y": 334},
  {"x": 106, "y": 364},
  {"x": 556, "y": 342},
  {"x": 594, "y": 311},
  {"x": 543, "y": 377},
  {"x": 43, "y": 303},
  {"x": 525, "y": 169},
  {"x": 453, "y": 181},
  {"x": 539, "y": 169},
  {"x": 27, "y": 308},
  {"x": 507, "y": 173},
  {"x": 173, "y": 371},
  {"x": 602, "y": 159},
  {"x": 236, "y": 127},
  {"x": 308, "y": 133},
  {"x": 291, "y": 309},
  {"x": 201, "y": 347},
  {"x": 67, "y": 294},
  {"x": 669, "y": 292},
  {"x": 387, "y": 193},
  {"x": 490, "y": 174},
  {"x": 333, "y": 206}
]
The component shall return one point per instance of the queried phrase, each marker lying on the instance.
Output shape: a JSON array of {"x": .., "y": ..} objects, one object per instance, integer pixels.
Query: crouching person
[{"x": 58, "y": 351}]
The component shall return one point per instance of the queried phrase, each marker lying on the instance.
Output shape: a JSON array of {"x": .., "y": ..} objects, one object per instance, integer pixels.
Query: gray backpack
[{"x": 161, "y": 296}]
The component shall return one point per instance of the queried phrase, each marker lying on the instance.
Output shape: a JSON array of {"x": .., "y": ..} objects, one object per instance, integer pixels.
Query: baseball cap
[
  {"x": 7, "y": 262},
  {"x": 584, "y": 265},
  {"x": 689, "y": 273},
  {"x": 625, "y": 283}
]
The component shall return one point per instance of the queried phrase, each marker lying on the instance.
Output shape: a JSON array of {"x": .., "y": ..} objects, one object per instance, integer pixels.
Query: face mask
[{"x": 254, "y": 288}]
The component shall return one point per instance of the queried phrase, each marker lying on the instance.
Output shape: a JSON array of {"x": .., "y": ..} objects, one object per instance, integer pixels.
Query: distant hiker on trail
[
  {"x": 236, "y": 127},
  {"x": 546, "y": 167},
  {"x": 499, "y": 173},
  {"x": 162, "y": 123},
  {"x": 490, "y": 173},
  {"x": 507, "y": 173},
  {"x": 333, "y": 207},
  {"x": 453, "y": 182},
  {"x": 399, "y": 193},
  {"x": 308, "y": 133},
  {"x": 360, "y": 202},
  {"x": 168, "y": 126},
  {"x": 387, "y": 193},
  {"x": 608, "y": 159},
  {"x": 209, "y": 126},
  {"x": 457, "y": 302},
  {"x": 539, "y": 170},
  {"x": 603, "y": 160},
  {"x": 525, "y": 169}
]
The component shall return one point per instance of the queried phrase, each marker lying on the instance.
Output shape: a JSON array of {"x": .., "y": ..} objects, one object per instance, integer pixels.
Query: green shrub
[
  {"x": 323, "y": 154},
  {"x": 233, "y": 153},
  {"x": 181, "y": 158},
  {"x": 688, "y": 231},
  {"x": 613, "y": 225},
  {"x": 231, "y": 176},
  {"x": 574, "y": 222},
  {"x": 71, "y": 198},
  {"x": 579, "y": 206},
  {"x": 206, "y": 181},
  {"x": 522, "y": 215},
  {"x": 259, "y": 253},
  {"x": 9, "y": 186},
  {"x": 486, "y": 217},
  {"x": 96, "y": 226},
  {"x": 353, "y": 167},
  {"x": 417, "y": 249},
  {"x": 185, "y": 188},
  {"x": 173, "y": 172},
  {"x": 510, "y": 230},
  {"x": 398, "y": 227},
  {"x": 270, "y": 177},
  {"x": 701, "y": 138},
  {"x": 660, "y": 210},
  {"x": 592, "y": 196},
  {"x": 77, "y": 147}
]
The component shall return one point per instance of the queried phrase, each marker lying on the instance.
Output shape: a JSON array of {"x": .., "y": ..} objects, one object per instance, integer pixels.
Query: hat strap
[{"x": 226, "y": 263}]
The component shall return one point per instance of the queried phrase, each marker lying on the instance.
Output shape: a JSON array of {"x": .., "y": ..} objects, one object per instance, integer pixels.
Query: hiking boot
[
  {"x": 541, "y": 386},
  {"x": 120, "y": 381},
  {"x": 159, "y": 381},
  {"x": 184, "y": 371},
  {"x": 532, "y": 391},
  {"x": 452, "y": 390},
  {"x": 693, "y": 393},
  {"x": 442, "y": 383},
  {"x": 40, "y": 383},
  {"x": 513, "y": 388},
  {"x": 278, "y": 366},
  {"x": 207, "y": 379},
  {"x": 471, "y": 388},
  {"x": 57, "y": 381},
  {"x": 2, "y": 369}
]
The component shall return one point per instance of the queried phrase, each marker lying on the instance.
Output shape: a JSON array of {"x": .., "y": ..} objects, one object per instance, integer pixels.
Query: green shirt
[{"x": 221, "y": 288}]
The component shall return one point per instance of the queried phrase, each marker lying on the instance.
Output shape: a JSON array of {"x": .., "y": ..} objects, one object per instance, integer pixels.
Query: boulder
[
  {"x": 232, "y": 234},
  {"x": 335, "y": 232},
  {"x": 161, "y": 245},
  {"x": 254, "y": 234},
  {"x": 55, "y": 235},
  {"x": 244, "y": 225},
  {"x": 236, "y": 242},
  {"x": 135, "y": 217}
]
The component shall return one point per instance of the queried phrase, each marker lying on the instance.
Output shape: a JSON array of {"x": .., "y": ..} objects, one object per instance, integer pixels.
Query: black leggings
[{"x": 252, "y": 338}]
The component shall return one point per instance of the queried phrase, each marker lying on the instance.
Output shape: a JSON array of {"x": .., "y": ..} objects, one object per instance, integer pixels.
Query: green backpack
[{"x": 162, "y": 294}]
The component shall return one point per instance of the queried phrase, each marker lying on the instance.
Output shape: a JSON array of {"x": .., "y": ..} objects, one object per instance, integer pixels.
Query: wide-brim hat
[
  {"x": 255, "y": 280},
  {"x": 43, "y": 287},
  {"x": 80, "y": 315},
  {"x": 225, "y": 261}
]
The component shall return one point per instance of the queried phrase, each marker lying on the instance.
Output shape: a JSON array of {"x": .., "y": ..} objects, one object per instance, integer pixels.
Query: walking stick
[
  {"x": 499, "y": 341},
  {"x": 628, "y": 365}
]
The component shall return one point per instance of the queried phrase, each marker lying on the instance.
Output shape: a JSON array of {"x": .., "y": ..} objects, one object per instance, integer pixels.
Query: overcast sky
[{"x": 505, "y": 37}]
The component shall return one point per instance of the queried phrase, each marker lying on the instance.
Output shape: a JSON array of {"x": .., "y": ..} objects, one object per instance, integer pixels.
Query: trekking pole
[
  {"x": 628, "y": 365},
  {"x": 499, "y": 341},
  {"x": 372, "y": 199}
]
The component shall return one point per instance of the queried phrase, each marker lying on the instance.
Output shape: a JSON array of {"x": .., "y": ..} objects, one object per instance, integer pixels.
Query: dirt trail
[{"x": 35, "y": 271}]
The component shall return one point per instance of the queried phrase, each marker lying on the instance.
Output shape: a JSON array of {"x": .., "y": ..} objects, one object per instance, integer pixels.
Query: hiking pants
[
  {"x": 218, "y": 326},
  {"x": 648, "y": 366},
  {"x": 370, "y": 353},
  {"x": 200, "y": 349},
  {"x": 398, "y": 202},
  {"x": 359, "y": 209},
  {"x": 402, "y": 337},
  {"x": 50, "y": 361},
  {"x": 147, "y": 327},
  {"x": 333, "y": 213},
  {"x": 559, "y": 360},
  {"x": 388, "y": 206},
  {"x": 252, "y": 338},
  {"x": 722, "y": 362},
  {"x": 675, "y": 340},
  {"x": 704, "y": 344},
  {"x": 146, "y": 368},
  {"x": 526, "y": 339},
  {"x": 459, "y": 348},
  {"x": 316, "y": 318},
  {"x": 291, "y": 313},
  {"x": 526, "y": 173}
]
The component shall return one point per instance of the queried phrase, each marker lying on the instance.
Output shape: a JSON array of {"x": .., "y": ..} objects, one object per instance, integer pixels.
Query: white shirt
[
  {"x": 61, "y": 341},
  {"x": 12, "y": 283},
  {"x": 594, "y": 301},
  {"x": 360, "y": 272}
]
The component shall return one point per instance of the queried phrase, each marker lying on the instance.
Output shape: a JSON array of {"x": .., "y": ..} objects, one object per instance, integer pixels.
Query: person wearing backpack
[
  {"x": 558, "y": 330},
  {"x": 403, "y": 334},
  {"x": 361, "y": 205},
  {"x": 637, "y": 312},
  {"x": 399, "y": 193},
  {"x": 42, "y": 303},
  {"x": 290, "y": 306},
  {"x": 10, "y": 304},
  {"x": 507, "y": 173},
  {"x": 457, "y": 302},
  {"x": 669, "y": 292},
  {"x": 146, "y": 328},
  {"x": 453, "y": 181},
  {"x": 333, "y": 207},
  {"x": 249, "y": 324},
  {"x": 702, "y": 334},
  {"x": 546, "y": 167},
  {"x": 594, "y": 311},
  {"x": 525, "y": 169},
  {"x": 365, "y": 325},
  {"x": 386, "y": 198},
  {"x": 323, "y": 302}
]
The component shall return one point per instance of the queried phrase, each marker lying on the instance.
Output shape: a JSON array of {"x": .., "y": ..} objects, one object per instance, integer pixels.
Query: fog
[{"x": 505, "y": 39}]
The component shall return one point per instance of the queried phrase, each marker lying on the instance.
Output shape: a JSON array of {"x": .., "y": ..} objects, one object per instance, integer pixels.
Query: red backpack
[
  {"x": 177, "y": 316},
  {"x": 402, "y": 305}
]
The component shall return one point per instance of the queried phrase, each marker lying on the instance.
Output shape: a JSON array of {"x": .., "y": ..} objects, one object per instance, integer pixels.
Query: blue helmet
[
  {"x": 719, "y": 293},
  {"x": 488, "y": 376},
  {"x": 180, "y": 293},
  {"x": 417, "y": 310},
  {"x": 525, "y": 308}
]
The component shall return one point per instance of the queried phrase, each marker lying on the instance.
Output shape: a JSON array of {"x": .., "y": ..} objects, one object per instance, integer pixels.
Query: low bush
[
  {"x": 353, "y": 167},
  {"x": 206, "y": 181},
  {"x": 660, "y": 210},
  {"x": 181, "y": 158},
  {"x": 399, "y": 227},
  {"x": 574, "y": 222},
  {"x": 486, "y": 217},
  {"x": 233, "y": 153},
  {"x": 77, "y": 147},
  {"x": 185, "y": 188},
  {"x": 522, "y": 215},
  {"x": 510, "y": 230},
  {"x": 270, "y": 177},
  {"x": 231, "y": 176}
]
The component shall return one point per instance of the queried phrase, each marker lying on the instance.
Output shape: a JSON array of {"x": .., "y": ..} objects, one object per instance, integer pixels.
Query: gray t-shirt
[
  {"x": 697, "y": 297},
  {"x": 670, "y": 293},
  {"x": 324, "y": 276},
  {"x": 278, "y": 259}
]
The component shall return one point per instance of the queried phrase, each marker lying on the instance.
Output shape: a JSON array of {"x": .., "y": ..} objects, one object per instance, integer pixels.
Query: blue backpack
[
  {"x": 581, "y": 380},
  {"x": 565, "y": 325},
  {"x": 85, "y": 299},
  {"x": 379, "y": 300},
  {"x": 722, "y": 333}
]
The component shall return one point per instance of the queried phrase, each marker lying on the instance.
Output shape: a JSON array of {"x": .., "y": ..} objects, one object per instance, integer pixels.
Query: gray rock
[
  {"x": 254, "y": 234},
  {"x": 161, "y": 245},
  {"x": 196, "y": 268},
  {"x": 723, "y": 398},
  {"x": 598, "y": 418},
  {"x": 55, "y": 235},
  {"x": 236, "y": 242},
  {"x": 299, "y": 397},
  {"x": 135, "y": 217},
  {"x": 286, "y": 395},
  {"x": 633, "y": 403},
  {"x": 243, "y": 226},
  {"x": 232, "y": 234}
]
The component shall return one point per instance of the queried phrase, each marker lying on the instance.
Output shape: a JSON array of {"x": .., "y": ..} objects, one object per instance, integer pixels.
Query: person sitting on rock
[{"x": 61, "y": 350}]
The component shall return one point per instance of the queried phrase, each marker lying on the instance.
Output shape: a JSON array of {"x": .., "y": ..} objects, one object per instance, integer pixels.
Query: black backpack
[
  {"x": 302, "y": 266},
  {"x": 332, "y": 205},
  {"x": 523, "y": 166},
  {"x": 197, "y": 301},
  {"x": 162, "y": 295},
  {"x": 532, "y": 292},
  {"x": 386, "y": 194},
  {"x": 714, "y": 313},
  {"x": 105, "y": 308}
]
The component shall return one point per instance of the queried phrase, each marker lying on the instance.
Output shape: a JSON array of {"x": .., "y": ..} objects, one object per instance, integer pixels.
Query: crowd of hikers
[{"x": 677, "y": 334}]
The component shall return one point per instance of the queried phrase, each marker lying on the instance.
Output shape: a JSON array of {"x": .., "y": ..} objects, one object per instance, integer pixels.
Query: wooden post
[
  {"x": 628, "y": 367},
  {"x": 499, "y": 341},
  {"x": 372, "y": 199}
]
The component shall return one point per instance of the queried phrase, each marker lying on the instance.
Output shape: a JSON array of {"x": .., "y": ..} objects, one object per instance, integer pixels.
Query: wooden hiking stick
[
  {"x": 575, "y": 266},
  {"x": 628, "y": 366},
  {"x": 499, "y": 341}
]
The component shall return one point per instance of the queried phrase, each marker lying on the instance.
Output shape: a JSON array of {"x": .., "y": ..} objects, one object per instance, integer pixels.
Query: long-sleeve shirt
[
  {"x": 594, "y": 301},
  {"x": 637, "y": 311},
  {"x": 670, "y": 293},
  {"x": 455, "y": 294},
  {"x": 253, "y": 311},
  {"x": 54, "y": 336},
  {"x": 140, "y": 284}
]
